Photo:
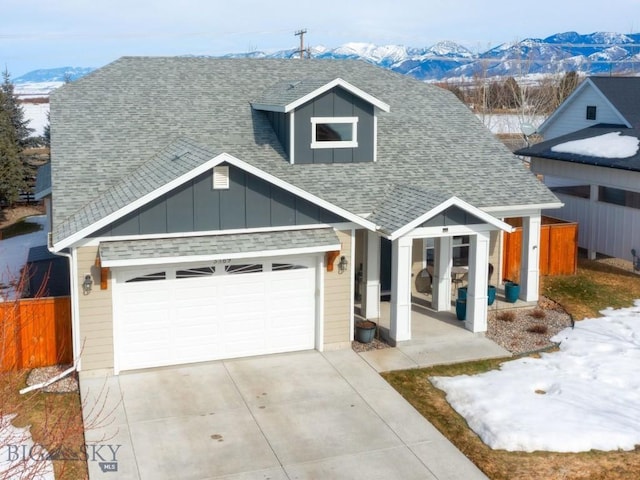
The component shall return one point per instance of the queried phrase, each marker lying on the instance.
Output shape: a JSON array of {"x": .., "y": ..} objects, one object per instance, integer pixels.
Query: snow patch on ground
[
  {"x": 21, "y": 458},
  {"x": 585, "y": 396},
  {"x": 36, "y": 114},
  {"x": 14, "y": 252},
  {"x": 609, "y": 145}
]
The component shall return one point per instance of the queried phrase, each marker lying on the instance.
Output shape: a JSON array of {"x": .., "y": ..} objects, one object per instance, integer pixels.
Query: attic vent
[{"x": 221, "y": 177}]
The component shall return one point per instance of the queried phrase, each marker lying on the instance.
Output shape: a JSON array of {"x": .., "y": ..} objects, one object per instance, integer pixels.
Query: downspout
[{"x": 74, "y": 318}]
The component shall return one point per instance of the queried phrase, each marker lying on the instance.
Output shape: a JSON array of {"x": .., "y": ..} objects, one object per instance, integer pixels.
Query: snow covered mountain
[{"x": 591, "y": 54}]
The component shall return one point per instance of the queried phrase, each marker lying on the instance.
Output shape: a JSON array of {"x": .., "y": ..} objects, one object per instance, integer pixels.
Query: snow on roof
[
  {"x": 583, "y": 397},
  {"x": 609, "y": 145}
]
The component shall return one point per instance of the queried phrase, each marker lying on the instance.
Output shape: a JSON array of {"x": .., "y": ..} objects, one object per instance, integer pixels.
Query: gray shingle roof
[
  {"x": 107, "y": 125},
  {"x": 177, "y": 159},
  {"x": 218, "y": 245},
  {"x": 284, "y": 93},
  {"x": 403, "y": 204},
  {"x": 624, "y": 95}
]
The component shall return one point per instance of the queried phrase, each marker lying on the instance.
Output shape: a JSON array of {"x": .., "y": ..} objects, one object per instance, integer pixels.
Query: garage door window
[
  {"x": 246, "y": 268},
  {"x": 149, "y": 277},
  {"x": 196, "y": 272},
  {"x": 286, "y": 266}
]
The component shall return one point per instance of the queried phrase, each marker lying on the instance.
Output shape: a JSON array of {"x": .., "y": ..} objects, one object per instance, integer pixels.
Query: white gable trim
[
  {"x": 451, "y": 202},
  {"x": 338, "y": 82},
  {"x": 570, "y": 99},
  {"x": 206, "y": 166}
]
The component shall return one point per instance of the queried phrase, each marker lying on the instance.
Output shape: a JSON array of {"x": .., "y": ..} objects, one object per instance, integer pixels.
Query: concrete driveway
[{"x": 306, "y": 415}]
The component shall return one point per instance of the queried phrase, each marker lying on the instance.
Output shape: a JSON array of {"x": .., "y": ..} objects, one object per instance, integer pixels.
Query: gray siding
[
  {"x": 250, "y": 202},
  {"x": 280, "y": 123},
  {"x": 452, "y": 216},
  {"x": 335, "y": 103},
  {"x": 573, "y": 117}
]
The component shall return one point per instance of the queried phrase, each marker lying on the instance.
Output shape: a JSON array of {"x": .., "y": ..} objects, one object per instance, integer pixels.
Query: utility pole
[{"x": 301, "y": 33}]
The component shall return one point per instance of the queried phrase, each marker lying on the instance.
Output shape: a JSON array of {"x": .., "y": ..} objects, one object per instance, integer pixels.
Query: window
[
  {"x": 285, "y": 266},
  {"x": 149, "y": 277},
  {"x": 620, "y": 197},
  {"x": 459, "y": 253},
  {"x": 580, "y": 191},
  {"x": 196, "y": 272},
  {"x": 248, "y": 268},
  {"x": 591, "y": 112},
  {"x": 334, "y": 132}
]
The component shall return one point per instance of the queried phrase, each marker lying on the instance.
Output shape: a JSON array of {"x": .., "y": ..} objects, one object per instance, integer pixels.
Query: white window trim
[{"x": 342, "y": 144}]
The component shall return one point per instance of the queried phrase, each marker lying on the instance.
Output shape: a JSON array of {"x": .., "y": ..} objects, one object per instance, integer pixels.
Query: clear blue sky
[{"x": 90, "y": 33}]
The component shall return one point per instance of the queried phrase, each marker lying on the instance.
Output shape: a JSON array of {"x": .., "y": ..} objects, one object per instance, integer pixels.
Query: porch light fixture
[
  {"x": 86, "y": 285},
  {"x": 342, "y": 265}
]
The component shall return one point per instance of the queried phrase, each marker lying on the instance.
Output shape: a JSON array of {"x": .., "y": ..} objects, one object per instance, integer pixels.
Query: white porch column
[
  {"x": 371, "y": 277},
  {"x": 478, "y": 282},
  {"x": 441, "y": 287},
  {"x": 400, "y": 326},
  {"x": 530, "y": 263}
]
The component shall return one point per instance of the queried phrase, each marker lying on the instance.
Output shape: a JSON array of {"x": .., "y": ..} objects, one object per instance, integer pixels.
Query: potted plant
[
  {"x": 511, "y": 291},
  {"x": 461, "y": 309},
  {"x": 491, "y": 294},
  {"x": 365, "y": 331}
]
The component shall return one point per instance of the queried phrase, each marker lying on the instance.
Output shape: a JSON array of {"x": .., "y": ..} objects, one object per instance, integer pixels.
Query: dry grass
[
  {"x": 501, "y": 464},
  {"x": 595, "y": 286},
  {"x": 538, "y": 328},
  {"x": 538, "y": 313},
  {"x": 55, "y": 420},
  {"x": 506, "y": 316}
]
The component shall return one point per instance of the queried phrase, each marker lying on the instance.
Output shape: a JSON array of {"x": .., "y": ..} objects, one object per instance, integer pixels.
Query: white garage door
[{"x": 224, "y": 309}]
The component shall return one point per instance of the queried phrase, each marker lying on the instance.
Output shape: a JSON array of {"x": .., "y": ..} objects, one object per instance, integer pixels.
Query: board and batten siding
[
  {"x": 337, "y": 298},
  {"x": 337, "y": 102},
  {"x": 250, "y": 202},
  {"x": 573, "y": 117},
  {"x": 615, "y": 229},
  {"x": 95, "y": 312}
]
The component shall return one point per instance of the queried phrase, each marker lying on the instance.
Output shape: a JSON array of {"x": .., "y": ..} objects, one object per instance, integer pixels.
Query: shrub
[
  {"x": 538, "y": 328},
  {"x": 506, "y": 316},
  {"x": 538, "y": 313}
]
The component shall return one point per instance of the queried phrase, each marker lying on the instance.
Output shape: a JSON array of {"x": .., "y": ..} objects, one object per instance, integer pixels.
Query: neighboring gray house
[
  {"x": 597, "y": 176},
  {"x": 216, "y": 208}
]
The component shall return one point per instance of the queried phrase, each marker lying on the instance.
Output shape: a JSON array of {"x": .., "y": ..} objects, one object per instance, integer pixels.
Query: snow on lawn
[
  {"x": 21, "y": 458},
  {"x": 14, "y": 252},
  {"x": 36, "y": 114},
  {"x": 609, "y": 145},
  {"x": 585, "y": 396}
]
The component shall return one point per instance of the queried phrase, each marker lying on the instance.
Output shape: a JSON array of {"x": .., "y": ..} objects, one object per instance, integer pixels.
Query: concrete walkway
[
  {"x": 437, "y": 338},
  {"x": 305, "y": 415}
]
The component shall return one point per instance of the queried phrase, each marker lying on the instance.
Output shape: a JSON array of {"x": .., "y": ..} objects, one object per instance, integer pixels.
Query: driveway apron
[{"x": 304, "y": 415}]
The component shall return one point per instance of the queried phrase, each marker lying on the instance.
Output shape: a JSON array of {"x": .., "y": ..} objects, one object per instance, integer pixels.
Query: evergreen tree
[
  {"x": 16, "y": 113},
  {"x": 11, "y": 166}
]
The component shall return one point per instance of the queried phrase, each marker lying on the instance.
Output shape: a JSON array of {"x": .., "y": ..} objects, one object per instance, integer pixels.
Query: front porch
[{"x": 436, "y": 338}]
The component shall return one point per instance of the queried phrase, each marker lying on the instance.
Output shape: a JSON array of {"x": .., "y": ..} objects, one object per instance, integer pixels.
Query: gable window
[
  {"x": 334, "y": 132},
  {"x": 591, "y": 112}
]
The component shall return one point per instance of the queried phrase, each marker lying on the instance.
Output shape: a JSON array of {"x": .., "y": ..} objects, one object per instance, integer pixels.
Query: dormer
[{"x": 323, "y": 121}]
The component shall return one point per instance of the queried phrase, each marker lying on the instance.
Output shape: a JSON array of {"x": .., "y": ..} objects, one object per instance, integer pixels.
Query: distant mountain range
[{"x": 592, "y": 54}]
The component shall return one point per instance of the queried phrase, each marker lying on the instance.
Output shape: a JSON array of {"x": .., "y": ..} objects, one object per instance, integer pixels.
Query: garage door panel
[{"x": 214, "y": 316}]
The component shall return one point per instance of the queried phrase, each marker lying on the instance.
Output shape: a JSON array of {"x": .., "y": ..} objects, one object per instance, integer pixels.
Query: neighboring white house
[
  {"x": 589, "y": 158},
  {"x": 217, "y": 208}
]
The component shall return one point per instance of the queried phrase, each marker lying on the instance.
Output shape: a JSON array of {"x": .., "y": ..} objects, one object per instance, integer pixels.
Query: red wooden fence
[
  {"x": 558, "y": 248},
  {"x": 35, "y": 332}
]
